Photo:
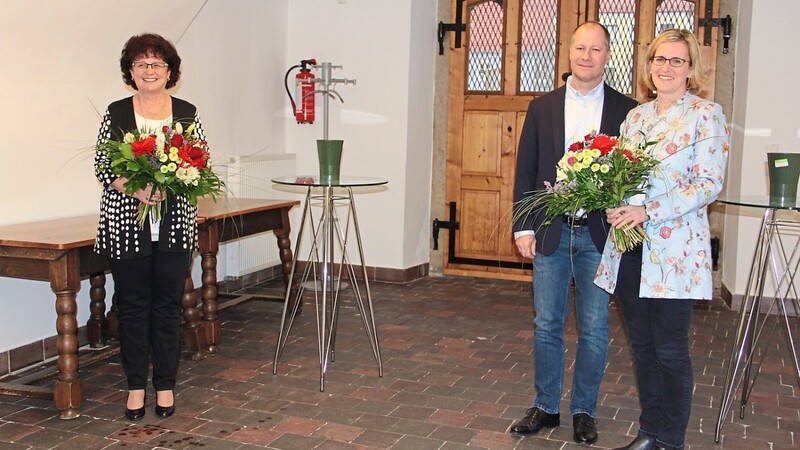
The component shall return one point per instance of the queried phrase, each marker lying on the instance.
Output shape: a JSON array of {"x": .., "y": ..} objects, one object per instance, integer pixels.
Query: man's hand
[{"x": 526, "y": 246}]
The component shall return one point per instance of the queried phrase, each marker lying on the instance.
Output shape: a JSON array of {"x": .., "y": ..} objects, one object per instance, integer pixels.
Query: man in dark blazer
[{"x": 570, "y": 247}]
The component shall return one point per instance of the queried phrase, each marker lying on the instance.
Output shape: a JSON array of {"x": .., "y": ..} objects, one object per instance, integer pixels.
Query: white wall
[
  {"x": 58, "y": 79},
  {"x": 764, "y": 114},
  {"x": 386, "y": 119},
  {"x": 61, "y": 69},
  {"x": 422, "y": 61}
]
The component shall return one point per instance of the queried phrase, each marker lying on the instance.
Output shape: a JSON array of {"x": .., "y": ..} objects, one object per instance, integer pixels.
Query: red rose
[
  {"x": 571, "y": 160},
  {"x": 144, "y": 146},
  {"x": 576, "y": 146},
  {"x": 195, "y": 155},
  {"x": 604, "y": 143},
  {"x": 177, "y": 140},
  {"x": 199, "y": 156}
]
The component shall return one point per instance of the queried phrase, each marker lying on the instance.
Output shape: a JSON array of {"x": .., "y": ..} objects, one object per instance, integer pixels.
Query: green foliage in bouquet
[
  {"x": 172, "y": 160},
  {"x": 595, "y": 174}
]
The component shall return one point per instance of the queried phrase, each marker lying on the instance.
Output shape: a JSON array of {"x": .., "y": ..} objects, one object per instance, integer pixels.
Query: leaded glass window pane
[
  {"x": 485, "y": 47},
  {"x": 538, "y": 50},
  {"x": 619, "y": 17},
  {"x": 675, "y": 14}
]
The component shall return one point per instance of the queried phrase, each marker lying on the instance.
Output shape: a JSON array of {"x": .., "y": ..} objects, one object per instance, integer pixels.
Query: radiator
[{"x": 249, "y": 177}]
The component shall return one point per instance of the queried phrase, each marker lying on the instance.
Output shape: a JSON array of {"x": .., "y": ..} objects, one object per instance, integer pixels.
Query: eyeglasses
[
  {"x": 141, "y": 65},
  {"x": 674, "y": 62}
]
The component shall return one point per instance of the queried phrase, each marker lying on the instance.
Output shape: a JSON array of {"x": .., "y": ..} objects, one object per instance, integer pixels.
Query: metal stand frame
[
  {"x": 771, "y": 254},
  {"x": 327, "y": 234}
]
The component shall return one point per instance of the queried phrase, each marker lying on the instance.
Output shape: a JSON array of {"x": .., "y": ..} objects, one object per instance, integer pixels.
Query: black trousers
[
  {"x": 659, "y": 332},
  {"x": 148, "y": 292}
]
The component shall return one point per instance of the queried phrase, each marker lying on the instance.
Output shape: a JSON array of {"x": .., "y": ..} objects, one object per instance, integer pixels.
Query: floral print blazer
[{"x": 692, "y": 144}]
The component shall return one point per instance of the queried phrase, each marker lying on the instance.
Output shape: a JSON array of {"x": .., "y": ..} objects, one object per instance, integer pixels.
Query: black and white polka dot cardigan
[{"x": 118, "y": 233}]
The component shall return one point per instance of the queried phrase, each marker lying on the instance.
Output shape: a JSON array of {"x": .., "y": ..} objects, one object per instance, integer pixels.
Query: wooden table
[{"x": 60, "y": 251}]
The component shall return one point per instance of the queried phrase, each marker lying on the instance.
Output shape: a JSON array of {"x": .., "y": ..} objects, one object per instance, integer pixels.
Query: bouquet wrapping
[
  {"x": 172, "y": 160},
  {"x": 596, "y": 173}
]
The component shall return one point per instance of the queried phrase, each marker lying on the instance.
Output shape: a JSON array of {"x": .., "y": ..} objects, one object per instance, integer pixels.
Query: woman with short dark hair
[{"x": 149, "y": 260}]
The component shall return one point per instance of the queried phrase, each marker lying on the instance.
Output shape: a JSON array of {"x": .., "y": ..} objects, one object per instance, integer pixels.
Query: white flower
[
  {"x": 189, "y": 175},
  {"x": 129, "y": 137},
  {"x": 160, "y": 140}
]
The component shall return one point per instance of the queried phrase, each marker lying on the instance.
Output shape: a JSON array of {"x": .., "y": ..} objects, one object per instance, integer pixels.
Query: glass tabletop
[
  {"x": 314, "y": 180},
  {"x": 759, "y": 201}
]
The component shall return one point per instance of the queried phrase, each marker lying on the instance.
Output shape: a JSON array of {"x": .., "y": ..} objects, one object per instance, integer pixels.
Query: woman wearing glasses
[
  {"x": 149, "y": 263},
  {"x": 658, "y": 281}
]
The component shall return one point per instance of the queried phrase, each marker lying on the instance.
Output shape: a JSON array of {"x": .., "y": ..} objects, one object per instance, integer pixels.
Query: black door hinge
[
  {"x": 708, "y": 22},
  {"x": 451, "y": 225},
  {"x": 457, "y": 27}
]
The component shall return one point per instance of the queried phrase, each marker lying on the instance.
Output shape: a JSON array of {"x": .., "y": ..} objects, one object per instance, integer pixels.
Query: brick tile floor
[{"x": 457, "y": 373}]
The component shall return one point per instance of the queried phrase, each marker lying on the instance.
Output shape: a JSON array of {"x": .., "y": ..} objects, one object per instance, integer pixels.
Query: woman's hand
[
  {"x": 626, "y": 217},
  {"x": 148, "y": 195}
]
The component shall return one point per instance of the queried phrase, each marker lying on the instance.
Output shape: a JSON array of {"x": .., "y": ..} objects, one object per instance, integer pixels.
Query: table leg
[
  {"x": 285, "y": 253},
  {"x": 97, "y": 326},
  {"x": 783, "y": 270},
  {"x": 323, "y": 333},
  {"x": 192, "y": 333},
  {"x": 65, "y": 282},
  {"x": 294, "y": 291},
  {"x": 210, "y": 323},
  {"x": 320, "y": 267},
  {"x": 741, "y": 351},
  {"x": 112, "y": 320},
  {"x": 367, "y": 313}
]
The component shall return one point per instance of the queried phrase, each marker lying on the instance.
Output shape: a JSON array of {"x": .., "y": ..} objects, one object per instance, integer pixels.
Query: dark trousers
[
  {"x": 148, "y": 292},
  {"x": 659, "y": 332}
]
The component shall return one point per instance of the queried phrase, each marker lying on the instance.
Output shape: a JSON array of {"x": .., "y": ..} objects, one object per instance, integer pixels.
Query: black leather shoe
[
  {"x": 165, "y": 411},
  {"x": 640, "y": 443},
  {"x": 535, "y": 419},
  {"x": 585, "y": 429},
  {"x": 134, "y": 414}
]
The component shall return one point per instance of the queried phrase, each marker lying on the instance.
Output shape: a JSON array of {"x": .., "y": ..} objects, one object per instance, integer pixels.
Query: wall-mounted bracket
[
  {"x": 708, "y": 22},
  {"x": 457, "y": 27}
]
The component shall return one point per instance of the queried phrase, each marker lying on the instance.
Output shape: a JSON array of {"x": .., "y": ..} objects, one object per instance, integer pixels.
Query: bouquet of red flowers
[
  {"x": 596, "y": 173},
  {"x": 172, "y": 160}
]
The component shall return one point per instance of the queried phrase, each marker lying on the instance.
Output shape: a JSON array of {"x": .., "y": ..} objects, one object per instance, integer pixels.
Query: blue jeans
[
  {"x": 578, "y": 258},
  {"x": 659, "y": 332}
]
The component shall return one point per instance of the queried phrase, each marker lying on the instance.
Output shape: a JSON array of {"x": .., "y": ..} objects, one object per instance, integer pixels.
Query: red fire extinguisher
[{"x": 304, "y": 88}]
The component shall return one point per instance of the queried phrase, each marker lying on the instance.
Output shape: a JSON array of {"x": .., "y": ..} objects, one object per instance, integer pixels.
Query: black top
[{"x": 118, "y": 233}]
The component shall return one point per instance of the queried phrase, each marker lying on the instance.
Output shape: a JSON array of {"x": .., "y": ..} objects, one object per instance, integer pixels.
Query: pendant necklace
[{"x": 159, "y": 115}]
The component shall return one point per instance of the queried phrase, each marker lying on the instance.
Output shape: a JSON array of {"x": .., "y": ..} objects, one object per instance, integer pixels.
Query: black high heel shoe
[
  {"x": 134, "y": 414},
  {"x": 164, "y": 411}
]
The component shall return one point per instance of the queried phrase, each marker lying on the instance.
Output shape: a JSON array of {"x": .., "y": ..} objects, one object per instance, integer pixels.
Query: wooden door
[{"x": 513, "y": 52}]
